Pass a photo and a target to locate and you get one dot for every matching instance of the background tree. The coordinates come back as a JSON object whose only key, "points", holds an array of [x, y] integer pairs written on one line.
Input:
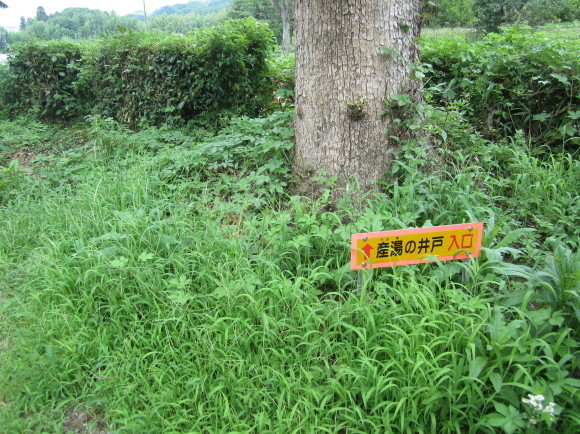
{"points": [[186, 23], [145, 16], [76, 23], [538, 12], [453, 13], [3, 40], [197, 7], [284, 9], [350, 56], [22, 23], [41, 14], [491, 14], [262, 10], [3, 5]]}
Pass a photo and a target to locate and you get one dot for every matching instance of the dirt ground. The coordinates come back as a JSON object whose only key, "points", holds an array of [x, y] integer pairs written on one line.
{"points": [[80, 421], [25, 158]]}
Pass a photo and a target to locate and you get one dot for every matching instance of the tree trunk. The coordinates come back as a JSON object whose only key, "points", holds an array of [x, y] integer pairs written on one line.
{"points": [[351, 55], [286, 15], [284, 9]]}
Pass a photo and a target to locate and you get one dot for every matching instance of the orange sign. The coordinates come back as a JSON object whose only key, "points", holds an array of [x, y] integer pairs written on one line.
{"points": [[413, 246]]}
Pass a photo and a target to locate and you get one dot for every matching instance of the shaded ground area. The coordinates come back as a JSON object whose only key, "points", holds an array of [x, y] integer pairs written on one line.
{"points": [[25, 158], [82, 421]]}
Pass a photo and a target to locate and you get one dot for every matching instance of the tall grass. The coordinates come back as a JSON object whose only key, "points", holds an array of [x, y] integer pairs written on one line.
{"points": [[162, 283]]}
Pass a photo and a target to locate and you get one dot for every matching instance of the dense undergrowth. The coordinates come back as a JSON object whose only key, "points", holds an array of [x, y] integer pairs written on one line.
{"points": [[167, 280], [164, 281]]}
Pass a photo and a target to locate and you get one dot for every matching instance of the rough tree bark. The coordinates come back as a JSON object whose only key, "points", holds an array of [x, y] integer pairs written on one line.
{"points": [[284, 9], [350, 56]]}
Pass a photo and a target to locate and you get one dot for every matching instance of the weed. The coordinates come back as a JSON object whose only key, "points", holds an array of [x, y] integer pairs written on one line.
{"points": [[166, 280]]}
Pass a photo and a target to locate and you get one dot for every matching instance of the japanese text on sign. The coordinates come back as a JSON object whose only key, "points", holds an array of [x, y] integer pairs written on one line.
{"points": [[412, 246]]}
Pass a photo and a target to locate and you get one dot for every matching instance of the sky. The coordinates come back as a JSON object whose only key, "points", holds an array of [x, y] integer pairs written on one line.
{"points": [[10, 18]]}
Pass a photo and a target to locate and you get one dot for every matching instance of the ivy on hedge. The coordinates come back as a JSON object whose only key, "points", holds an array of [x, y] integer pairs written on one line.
{"points": [[147, 78]]}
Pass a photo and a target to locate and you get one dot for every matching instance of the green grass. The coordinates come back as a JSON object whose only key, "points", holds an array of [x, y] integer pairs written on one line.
{"points": [[462, 33], [567, 30], [165, 281]]}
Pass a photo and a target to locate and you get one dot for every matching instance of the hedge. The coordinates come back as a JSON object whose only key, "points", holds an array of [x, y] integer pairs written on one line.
{"points": [[146, 78], [519, 80], [41, 77]]}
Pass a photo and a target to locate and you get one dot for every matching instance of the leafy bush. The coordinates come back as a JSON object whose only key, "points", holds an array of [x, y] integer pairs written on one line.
{"points": [[146, 78], [491, 14], [515, 81], [544, 11], [251, 156], [453, 13], [4, 77], [154, 78], [282, 76], [42, 78]]}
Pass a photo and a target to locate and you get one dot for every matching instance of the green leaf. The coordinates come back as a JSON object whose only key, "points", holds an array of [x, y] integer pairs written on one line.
{"points": [[391, 53], [507, 417], [513, 236], [495, 419], [146, 256], [542, 117], [179, 297], [476, 366], [497, 381], [120, 262], [561, 78], [574, 114]]}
